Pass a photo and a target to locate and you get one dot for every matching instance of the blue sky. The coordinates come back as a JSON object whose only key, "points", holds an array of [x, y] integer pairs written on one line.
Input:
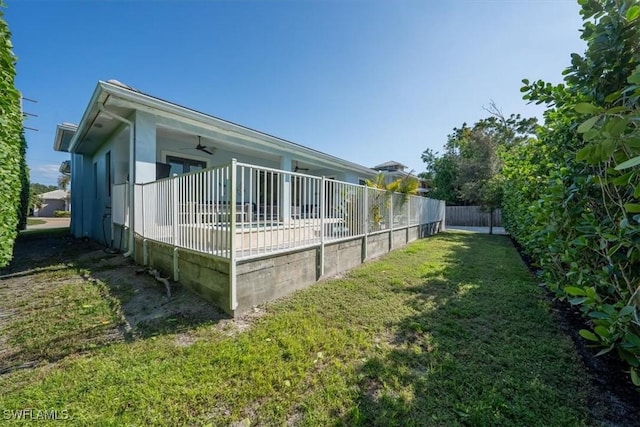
{"points": [[368, 81]]}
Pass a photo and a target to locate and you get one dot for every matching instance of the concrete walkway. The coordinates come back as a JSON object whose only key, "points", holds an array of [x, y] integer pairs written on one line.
{"points": [[50, 223], [484, 230]]}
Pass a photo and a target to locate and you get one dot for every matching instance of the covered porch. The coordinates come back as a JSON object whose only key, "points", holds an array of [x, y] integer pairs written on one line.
{"points": [[239, 230]]}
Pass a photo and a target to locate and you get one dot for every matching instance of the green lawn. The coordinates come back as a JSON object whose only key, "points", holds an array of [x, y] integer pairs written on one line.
{"points": [[35, 221], [451, 330]]}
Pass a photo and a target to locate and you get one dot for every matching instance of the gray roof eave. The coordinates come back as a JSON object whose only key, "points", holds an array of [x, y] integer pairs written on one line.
{"points": [[181, 111]]}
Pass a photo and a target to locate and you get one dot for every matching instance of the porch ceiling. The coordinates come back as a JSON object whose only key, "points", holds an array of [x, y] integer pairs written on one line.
{"points": [[189, 139], [95, 127]]}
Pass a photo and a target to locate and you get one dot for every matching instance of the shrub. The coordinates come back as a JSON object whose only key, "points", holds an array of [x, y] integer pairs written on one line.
{"points": [[11, 147], [61, 214], [571, 197]]}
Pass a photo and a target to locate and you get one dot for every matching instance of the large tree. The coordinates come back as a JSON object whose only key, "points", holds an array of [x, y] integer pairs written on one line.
{"points": [[11, 147], [64, 181], [469, 170]]}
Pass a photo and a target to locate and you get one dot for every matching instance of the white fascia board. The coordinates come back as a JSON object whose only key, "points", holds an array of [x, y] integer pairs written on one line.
{"points": [[84, 124], [177, 111], [60, 130]]}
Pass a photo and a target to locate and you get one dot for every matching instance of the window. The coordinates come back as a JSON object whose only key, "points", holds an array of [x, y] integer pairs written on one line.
{"points": [[107, 169], [95, 180], [178, 165]]}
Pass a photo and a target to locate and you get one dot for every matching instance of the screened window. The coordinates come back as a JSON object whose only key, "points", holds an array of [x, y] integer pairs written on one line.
{"points": [[107, 161], [180, 165]]}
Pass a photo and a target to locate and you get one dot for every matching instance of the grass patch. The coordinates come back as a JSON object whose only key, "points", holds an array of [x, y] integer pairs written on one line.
{"points": [[62, 313], [451, 330], [41, 233], [35, 221]]}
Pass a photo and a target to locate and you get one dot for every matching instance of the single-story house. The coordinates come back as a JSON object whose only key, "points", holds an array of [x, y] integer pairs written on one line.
{"points": [[237, 215], [56, 200], [395, 170]]}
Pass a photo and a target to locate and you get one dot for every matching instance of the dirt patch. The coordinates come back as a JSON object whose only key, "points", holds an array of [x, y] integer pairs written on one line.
{"points": [[613, 400], [233, 327], [58, 282]]}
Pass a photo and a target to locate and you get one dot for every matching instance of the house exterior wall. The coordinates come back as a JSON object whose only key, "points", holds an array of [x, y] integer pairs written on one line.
{"points": [[120, 155], [100, 194], [145, 142], [91, 194], [49, 206], [76, 195], [90, 191]]}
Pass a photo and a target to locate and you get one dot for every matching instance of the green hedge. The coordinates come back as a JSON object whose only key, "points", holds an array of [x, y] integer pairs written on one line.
{"points": [[23, 206], [62, 214], [11, 146], [572, 197]]}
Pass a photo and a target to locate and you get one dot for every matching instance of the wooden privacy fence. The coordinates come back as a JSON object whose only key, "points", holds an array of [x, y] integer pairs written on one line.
{"points": [[471, 216]]}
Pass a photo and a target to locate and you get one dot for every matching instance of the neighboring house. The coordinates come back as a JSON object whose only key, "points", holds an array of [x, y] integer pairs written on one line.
{"points": [[394, 170], [237, 215], [56, 200]]}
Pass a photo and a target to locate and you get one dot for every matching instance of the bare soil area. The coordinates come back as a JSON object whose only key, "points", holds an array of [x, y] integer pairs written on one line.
{"points": [[54, 278]]}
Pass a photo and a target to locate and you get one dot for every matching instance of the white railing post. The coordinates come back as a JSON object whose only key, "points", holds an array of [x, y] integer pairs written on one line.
{"points": [[365, 243], [126, 216], [391, 221], [176, 209], [144, 222], [232, 235], [323, 209], [408, 216]]}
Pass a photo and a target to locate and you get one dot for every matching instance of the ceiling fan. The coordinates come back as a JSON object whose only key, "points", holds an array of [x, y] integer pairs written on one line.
{"points": [[203, 148], [298, 168]]}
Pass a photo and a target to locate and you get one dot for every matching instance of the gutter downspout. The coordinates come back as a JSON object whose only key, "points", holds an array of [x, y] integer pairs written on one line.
{"points": [[132, 170]]}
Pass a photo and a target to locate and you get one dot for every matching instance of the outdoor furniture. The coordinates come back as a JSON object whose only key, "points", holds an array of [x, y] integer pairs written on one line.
{"points": [[267, 212], [206, 213], [309, 211]]}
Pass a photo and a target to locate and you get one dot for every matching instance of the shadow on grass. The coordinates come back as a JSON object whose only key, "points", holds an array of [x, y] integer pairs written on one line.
{"points": [[62, 295], [480, 349]]}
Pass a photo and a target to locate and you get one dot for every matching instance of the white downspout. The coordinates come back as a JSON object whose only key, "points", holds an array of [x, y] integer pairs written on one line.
{"points": [[132, 170]]}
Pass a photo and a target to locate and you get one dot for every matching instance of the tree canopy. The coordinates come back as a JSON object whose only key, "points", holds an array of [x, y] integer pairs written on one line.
{"points": [[469, 170]]}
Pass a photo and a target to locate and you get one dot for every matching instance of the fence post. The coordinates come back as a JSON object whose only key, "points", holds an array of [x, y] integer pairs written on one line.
{"points": [[144, 222], [322, 224], [127, 214], [408, 217], [176, 209], [232, 235], [365, 239], [145, 253], [391, 221]]}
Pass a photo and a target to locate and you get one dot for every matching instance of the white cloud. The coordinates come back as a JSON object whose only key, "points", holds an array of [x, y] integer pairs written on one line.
{"points": [[44, 174]]}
